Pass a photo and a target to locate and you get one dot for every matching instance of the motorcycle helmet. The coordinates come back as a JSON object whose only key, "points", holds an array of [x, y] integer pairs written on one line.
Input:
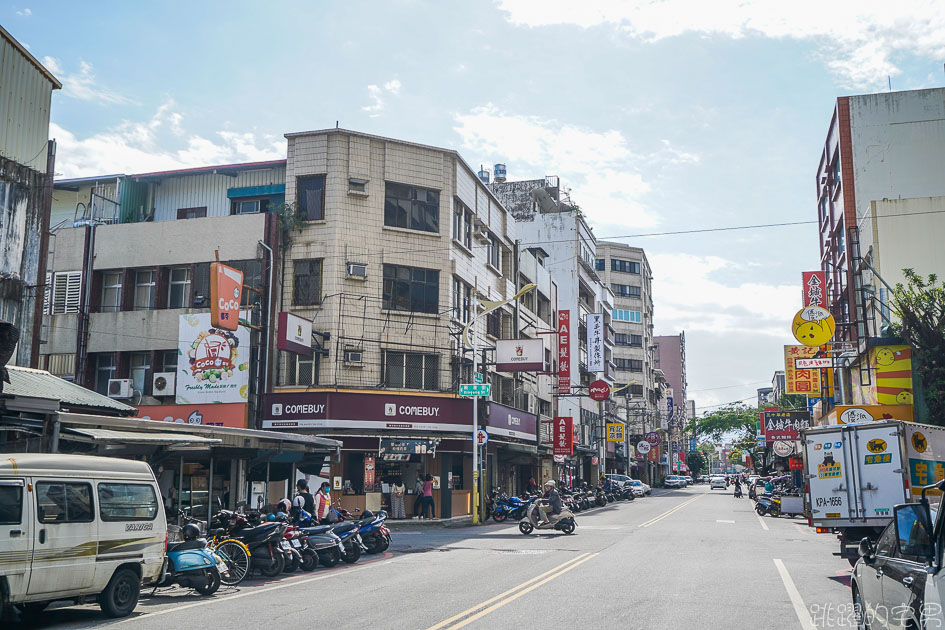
{"points": [[549, 484], [270, 517], [285, 505], [190, 532], [366, 514]]}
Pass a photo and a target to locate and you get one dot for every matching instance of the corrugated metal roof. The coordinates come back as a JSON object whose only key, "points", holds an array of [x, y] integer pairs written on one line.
{"points": [[139, 437], [49, 75], [211, 169], [42, 384]]}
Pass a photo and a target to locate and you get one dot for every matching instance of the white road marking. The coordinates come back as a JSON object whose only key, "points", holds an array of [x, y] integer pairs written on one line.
{"points": [[671, 510], [721, 521], [763, 524], [796, 600]]}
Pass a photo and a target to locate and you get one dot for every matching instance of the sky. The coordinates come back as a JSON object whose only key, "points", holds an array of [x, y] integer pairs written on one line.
{"points": [[660, 116]]}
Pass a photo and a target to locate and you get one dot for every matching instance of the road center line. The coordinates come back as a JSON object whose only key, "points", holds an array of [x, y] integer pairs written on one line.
{"points": [[671, 510], [446, 622], [763, 524], [796, 600], [512, 598]]}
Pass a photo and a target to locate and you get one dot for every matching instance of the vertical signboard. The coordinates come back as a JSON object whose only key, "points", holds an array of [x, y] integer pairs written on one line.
{"points": [[226, 284], [564, 434], [801, 380], [815, 283], [595, 342], [564, 352]]}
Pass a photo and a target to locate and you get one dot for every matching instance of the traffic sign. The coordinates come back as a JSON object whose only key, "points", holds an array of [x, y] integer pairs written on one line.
{"points": [[599, 391], [477, 377], [475, 389], [481, 437]]}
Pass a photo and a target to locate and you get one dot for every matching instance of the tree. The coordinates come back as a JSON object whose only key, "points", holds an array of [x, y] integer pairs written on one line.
{"points": [[696, 463], [920, 307], [739, 420]]}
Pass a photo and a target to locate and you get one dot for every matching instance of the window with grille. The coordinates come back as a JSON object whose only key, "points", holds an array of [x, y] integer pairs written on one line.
{"points": [[307, 282], [300, 370], [67, 291], [310, 193], [412, 207], [411, 370], [179, 288], [411, 289], [636, 390], [144, 289]]}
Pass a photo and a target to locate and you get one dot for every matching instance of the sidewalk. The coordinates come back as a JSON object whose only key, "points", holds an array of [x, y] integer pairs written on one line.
{"points": [[413, 523]]}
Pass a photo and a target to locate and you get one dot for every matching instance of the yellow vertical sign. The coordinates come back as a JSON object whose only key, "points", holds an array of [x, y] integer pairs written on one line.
{"points": [[615, 432], [800, 380]]}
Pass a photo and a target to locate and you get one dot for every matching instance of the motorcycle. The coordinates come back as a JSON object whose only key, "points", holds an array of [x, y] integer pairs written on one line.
{"points": [[738, 492], [192, 564], [561, 522], [374, 534], [266, 541], [510, 507], [768, 505]]}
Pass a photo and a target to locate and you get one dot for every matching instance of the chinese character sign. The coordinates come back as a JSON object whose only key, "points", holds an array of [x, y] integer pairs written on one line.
{"points": [[564, 352], [563, 435], [595, 342], [785, 425], [815, 285], [800, 381]]}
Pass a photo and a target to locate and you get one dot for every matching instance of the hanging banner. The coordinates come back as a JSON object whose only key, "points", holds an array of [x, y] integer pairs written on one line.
{"points": [[564, 435], [815, 284], [213, 363], [564, 352], [800, 380], [595, 342]]}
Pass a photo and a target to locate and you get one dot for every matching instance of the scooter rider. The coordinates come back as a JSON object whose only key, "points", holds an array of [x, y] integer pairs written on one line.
{"points": [[551, 502]]}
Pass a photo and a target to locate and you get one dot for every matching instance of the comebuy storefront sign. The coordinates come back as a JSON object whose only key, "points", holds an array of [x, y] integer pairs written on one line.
{"points": [[511, 422], [338, 410]]}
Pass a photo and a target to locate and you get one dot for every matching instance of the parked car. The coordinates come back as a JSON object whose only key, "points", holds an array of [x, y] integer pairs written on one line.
{"points": [[674, 481], [622, 480], [717, 482], [76, 526], [689, 480], [639, 488]]}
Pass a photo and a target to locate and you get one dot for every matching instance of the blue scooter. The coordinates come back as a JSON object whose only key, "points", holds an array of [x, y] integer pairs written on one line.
{"points": [[190, 563]]}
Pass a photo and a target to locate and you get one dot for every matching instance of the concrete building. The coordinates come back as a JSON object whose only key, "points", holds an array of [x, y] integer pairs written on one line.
{"points": [[765, 397], [778, 386], [669, 357], [545, 217], [27, 163], [394, 246]]}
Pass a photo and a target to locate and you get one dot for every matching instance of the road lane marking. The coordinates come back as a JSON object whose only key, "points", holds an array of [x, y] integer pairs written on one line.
{"points": [[796, 600], [671, 510], [762, 521], [257, 591], [508, 592], [512, 598], [721, 521]]}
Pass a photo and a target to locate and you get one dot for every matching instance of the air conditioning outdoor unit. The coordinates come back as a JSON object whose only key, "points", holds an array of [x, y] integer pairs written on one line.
{"points": [[482, 235], [354, 356], [119, 388], [164, 384], [357, 270]]}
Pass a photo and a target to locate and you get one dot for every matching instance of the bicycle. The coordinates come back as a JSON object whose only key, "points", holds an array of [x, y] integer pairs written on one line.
{"points": [[235, 555]]}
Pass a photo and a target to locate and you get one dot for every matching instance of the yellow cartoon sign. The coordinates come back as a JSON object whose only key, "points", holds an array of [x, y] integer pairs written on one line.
{"points": [[813, 326], [892, 371]]}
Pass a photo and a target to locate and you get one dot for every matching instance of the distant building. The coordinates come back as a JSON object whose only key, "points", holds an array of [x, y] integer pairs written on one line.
{"points": [[765, 396], [778, 386]]}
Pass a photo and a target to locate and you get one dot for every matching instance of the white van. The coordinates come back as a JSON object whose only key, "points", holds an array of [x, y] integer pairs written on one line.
{"points": [[73, 526]]}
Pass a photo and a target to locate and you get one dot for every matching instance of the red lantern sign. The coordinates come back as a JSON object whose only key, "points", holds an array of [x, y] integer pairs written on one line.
{"points": [[599, 391], [563, 435]]}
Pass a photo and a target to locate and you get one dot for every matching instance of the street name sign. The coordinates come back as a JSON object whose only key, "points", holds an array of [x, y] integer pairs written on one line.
{"points": [[475, 389]]}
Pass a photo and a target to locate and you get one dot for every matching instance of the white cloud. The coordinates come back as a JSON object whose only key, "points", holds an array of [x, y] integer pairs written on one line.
{"points": [[857, 39], [82, 84], [25, 13], [378, 95], [160, 143]]}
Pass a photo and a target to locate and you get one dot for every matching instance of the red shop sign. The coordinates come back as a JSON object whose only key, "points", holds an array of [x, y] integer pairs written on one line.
{"points": [[563, 435], [599, 391], [564, 352]]}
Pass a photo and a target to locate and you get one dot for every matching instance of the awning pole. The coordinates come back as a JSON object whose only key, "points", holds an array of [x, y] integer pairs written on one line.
{"points": [[210, 495], [267, 483], [180, 490]]}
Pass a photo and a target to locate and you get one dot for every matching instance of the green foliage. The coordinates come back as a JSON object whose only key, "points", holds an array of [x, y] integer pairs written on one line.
{"points": [[733, 421], [920, 307], [696, 463], [289, 222]]}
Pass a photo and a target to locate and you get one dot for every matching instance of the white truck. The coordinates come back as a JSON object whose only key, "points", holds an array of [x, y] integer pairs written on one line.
{"points": [[857, 473]]}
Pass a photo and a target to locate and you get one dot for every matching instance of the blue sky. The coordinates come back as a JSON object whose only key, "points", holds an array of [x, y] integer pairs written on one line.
{"points": [[660, 116]]}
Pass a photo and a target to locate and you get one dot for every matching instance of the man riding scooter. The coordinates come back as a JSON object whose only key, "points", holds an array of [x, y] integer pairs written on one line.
{"points": [[550, 502]]}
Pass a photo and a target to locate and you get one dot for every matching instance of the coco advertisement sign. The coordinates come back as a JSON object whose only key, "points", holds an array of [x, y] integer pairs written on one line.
{"points": [[520, 355], [295, 334], [226, 285], [224, 415], [214, 362], [511, 422]]}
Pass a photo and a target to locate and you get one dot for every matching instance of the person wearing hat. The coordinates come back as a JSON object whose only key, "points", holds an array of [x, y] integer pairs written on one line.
{"points": [[550, 502]]}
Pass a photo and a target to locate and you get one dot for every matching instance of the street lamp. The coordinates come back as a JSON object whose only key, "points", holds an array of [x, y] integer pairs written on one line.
{"points": [[489, 307]]}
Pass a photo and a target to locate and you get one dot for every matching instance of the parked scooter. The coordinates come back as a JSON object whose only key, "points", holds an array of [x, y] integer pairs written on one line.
{"points": [[265, 541], [192, 564], [562, 522], [769, 505]]}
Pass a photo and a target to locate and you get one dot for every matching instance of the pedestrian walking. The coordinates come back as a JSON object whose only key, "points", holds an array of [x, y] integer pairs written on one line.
{"points": [[428, 497], [397, 499], [418, 500]]}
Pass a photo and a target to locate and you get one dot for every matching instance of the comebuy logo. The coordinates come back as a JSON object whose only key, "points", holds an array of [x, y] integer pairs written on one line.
{"points": [[393, 409]]}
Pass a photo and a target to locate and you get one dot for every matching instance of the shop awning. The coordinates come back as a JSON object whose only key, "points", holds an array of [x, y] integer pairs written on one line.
{"points": [[110, 436]]}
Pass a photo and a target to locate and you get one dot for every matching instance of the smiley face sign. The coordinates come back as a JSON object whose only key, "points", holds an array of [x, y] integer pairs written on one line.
{"points": [[813, 326]]}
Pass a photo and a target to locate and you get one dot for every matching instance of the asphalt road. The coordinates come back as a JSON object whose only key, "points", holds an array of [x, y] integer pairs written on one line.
{"points": [[690, 558]]}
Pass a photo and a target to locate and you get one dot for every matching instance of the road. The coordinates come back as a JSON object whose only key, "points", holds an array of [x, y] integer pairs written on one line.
{"points": [[690, 558]]}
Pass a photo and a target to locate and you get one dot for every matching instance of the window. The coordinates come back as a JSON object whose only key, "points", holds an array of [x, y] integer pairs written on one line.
{"points": [[249, 206], [599, 265], [126, 502], [300, 370], [411, 370], [140, 371], [495, 252], [636, 390], [467, 229], [64, 502], [636, 341], [11, 503], [625, 266], [104, 370], [252, 277], [307, 282], [192, 213], [625, 290], [67, 289], [201, 285], [169, 361], [631, 365], [494, 324], [462, 300], [624, 315], [144, 290], [357, 186], [462, 225], [111, 291], [411, 289], [412, 207], [179, 289], [310, 193]]}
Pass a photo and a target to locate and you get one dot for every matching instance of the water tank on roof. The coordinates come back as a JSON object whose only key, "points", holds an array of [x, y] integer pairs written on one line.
{"points": [[499, 172], [484, 175]]}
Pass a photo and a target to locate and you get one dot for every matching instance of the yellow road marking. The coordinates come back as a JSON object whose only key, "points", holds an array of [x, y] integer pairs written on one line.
{"points": [[671, 510], [511, 594]]}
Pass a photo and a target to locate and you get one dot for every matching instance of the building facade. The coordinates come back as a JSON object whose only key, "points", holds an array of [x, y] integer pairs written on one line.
{"points": [[669, 357]]}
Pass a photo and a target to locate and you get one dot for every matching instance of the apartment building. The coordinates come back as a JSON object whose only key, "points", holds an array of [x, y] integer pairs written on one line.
{"points": [[27, 163], [669, 357], [395, 248]]}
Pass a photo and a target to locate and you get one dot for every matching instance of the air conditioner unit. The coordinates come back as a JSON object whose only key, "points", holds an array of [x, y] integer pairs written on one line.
{"points": [[357, 270], [482, 235], [163, 384], [354, 356], [119, 388]]}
